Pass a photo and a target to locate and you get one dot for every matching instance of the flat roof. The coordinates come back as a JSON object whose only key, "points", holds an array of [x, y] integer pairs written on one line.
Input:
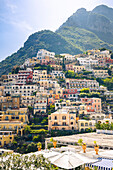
{"points": [[102, 140]]}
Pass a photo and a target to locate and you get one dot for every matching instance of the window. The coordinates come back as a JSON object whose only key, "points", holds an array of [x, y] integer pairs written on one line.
{"points": [[82, 124], [71, 123], [55, 117], [90, 124], [86, 124], [63, 117], [64, 124]]}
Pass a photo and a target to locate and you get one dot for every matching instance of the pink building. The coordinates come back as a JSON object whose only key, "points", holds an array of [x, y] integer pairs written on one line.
{"points": [[70, 93], [92, 104], [24, 76]]}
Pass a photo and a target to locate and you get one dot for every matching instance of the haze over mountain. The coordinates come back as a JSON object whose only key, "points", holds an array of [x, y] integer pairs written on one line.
{"points": [[82, 31]]}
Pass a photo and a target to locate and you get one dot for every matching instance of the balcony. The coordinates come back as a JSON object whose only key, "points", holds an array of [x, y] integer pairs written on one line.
{"points": [[60, 125]]}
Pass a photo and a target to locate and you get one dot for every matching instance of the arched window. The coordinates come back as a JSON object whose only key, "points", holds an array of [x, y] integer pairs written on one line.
{"points": [[82, 124], [63, 117], [86, 124], [55, 117]]}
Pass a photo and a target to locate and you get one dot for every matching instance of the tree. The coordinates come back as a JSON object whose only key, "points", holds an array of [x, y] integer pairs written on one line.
{"points": [[84, 90], [111, 55], [70, 74], [36, 138], [102, 49], [80, 142], [18, 161], [31, 147], [27, 129], [63, 65]]}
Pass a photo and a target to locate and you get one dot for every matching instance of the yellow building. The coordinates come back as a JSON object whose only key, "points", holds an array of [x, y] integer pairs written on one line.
{"points": [[34, 61], [1, 90], [78, 69], [86, 124], [14, 115], [28, 100], [63, 119], [56, 67], [6, 137], [12, 122], [12, 102], [82, 109]]}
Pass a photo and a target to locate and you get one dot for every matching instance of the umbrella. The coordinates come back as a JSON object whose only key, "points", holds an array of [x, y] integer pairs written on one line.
{"points": [[69, 160]]}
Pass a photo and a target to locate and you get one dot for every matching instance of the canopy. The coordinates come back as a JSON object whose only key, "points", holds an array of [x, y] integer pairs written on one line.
{"points": [[106, 163], [69, 160]]}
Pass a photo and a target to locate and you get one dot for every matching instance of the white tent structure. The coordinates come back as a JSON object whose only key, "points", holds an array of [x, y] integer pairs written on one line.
{"points": [[70, 160]]}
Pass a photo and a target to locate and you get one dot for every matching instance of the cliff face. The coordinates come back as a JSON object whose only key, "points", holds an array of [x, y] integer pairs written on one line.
{"points": [[92, 20]]}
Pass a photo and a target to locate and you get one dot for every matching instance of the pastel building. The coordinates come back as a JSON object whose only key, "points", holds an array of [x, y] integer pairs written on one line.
{"points": [[84, 125], [25, 76], [82, 83], [56, 67], [92, 104], [63, 119], [40, 105], [42, 53], [24, 90], [75, 68], [12, 122], [58, 74], [100, 73], [27, 100], [70, 93], [6, 137], [11, 102]]}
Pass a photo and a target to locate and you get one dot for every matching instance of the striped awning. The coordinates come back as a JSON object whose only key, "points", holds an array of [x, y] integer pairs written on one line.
{"points": [[103, 163]]}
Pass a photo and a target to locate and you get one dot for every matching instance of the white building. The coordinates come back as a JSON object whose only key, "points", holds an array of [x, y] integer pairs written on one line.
{"points": [[58, 74], [68, 57], [42, 53], [24, 90]]}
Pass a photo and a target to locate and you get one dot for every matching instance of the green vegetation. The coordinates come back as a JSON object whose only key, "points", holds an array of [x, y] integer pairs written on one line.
{"points": [[85, 90], [43, 67], [89, 95], [40, 40], [82, 38], [51, 109], [104, 126], [17, 161]]}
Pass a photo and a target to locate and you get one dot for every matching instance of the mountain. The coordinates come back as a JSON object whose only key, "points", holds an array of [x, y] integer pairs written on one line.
{"points": [[82, 31], [98, 21], [40, 40]]}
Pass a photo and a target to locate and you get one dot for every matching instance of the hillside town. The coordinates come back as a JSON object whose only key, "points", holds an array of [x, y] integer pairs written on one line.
{"points": [[50, 96]]}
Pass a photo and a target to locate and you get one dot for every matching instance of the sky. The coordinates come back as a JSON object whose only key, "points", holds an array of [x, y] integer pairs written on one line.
{"points": [[21, 18]]}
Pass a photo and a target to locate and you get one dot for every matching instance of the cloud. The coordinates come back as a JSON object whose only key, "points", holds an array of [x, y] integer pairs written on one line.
{"points": [[23, 25], [11, 6], [20, 25]]}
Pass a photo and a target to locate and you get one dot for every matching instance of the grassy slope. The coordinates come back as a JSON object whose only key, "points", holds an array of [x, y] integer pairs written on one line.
{"points": [[43, 39], [82, 39]]}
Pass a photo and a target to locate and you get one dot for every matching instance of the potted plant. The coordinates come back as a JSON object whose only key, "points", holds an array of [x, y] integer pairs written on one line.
{"points": [[54, 142], [39, 145], [80, 142], [96, 147]]}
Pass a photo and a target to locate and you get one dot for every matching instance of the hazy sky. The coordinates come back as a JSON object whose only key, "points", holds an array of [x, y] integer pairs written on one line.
{"points": [[20, 18]]}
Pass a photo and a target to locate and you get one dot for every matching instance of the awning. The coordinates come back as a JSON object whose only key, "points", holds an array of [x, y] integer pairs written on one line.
{"points": [[103, 163]]}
